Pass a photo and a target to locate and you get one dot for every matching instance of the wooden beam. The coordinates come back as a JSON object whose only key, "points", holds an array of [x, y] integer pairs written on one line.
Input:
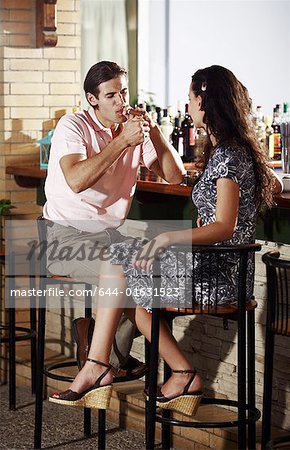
{"points": [[46, 35]]}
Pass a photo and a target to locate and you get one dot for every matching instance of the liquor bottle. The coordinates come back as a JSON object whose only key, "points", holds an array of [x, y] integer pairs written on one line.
{"points": [[177, 137], [159, 114], [187, 128], [166, 126], [260, 126], [269, 144], [200, 141], [170, 114], [286, 113], [276, 133]]}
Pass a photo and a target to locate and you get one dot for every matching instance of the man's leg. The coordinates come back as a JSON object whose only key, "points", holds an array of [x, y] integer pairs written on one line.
{"points": [[88, 270], [123, 342]]}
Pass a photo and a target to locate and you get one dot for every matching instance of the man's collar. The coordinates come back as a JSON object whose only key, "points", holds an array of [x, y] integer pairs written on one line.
{"points": [[99, 125]]}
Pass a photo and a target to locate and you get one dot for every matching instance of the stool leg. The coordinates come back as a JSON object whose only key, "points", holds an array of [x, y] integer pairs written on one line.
{"points": [[166, 428], [251, 378], [151, 409], [12, 359], [268, 385], [33, 348], [32, 322], [40, 377], [11, 334], [101, 429], [242, 428], [88, 411]]}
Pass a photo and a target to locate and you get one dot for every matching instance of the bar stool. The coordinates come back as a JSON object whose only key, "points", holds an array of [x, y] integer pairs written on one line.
{"points": [[17, 333], [243, 313], [44, 281], [277, 323], [48, 371]]}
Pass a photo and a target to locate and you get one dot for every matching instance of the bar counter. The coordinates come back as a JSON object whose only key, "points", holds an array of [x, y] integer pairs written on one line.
{"points": [[160, 200], [30, 176]]}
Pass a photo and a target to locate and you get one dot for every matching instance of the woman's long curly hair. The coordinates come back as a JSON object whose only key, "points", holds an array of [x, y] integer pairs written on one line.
{"points": [[228, 117]]}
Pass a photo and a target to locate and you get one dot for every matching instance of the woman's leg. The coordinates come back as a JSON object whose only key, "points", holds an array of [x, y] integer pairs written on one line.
{"points": [[108, 314], [170, 352]]}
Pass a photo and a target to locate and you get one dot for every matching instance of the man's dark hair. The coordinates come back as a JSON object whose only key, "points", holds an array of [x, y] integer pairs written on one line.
{"points": [[99, 73]]}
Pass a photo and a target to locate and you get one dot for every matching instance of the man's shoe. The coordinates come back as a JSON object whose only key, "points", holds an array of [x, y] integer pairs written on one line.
{"points": [[83, 329], [133, 369]]}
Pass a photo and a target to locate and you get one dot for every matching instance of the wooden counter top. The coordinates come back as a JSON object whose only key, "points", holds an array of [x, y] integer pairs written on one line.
{"points": [[30, 176]]}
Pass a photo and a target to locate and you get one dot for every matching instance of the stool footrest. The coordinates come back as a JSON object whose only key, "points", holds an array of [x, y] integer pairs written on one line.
{"points": [[253, 416], [28, 333], [48, 371]]}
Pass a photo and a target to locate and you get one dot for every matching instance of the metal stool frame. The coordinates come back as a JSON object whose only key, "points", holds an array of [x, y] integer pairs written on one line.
{"points": [[248, 414], [277, 323], [44, 281], [16, 333], [48, 371]]}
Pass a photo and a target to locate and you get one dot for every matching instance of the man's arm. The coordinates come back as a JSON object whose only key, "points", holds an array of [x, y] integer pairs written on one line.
{"points": [[81, 173], [169, 165]]}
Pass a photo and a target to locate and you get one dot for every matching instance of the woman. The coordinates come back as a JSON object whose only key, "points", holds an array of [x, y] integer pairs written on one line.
{"points": [[235, 183]]}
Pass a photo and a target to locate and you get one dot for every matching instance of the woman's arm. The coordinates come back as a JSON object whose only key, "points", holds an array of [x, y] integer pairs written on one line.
{"points": [[227, 207], [278, 184]]}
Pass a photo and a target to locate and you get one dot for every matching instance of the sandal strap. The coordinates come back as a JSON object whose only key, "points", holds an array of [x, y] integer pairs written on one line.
{"points": [[99, 362], [193, 372], [98, 381], [185, 371]]}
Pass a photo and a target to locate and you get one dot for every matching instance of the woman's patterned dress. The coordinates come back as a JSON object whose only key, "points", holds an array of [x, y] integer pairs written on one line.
{"points": [[178, 287]]}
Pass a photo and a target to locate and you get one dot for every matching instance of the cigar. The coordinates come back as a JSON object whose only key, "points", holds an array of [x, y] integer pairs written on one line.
{"points": [[133, 112]]}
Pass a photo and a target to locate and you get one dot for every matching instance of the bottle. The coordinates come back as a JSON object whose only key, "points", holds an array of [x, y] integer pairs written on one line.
{"points": [[200, 141], [159, 114], [276, 133], [177, 137], [269, 143], [260, 126], [166, 126], [170, 113], [187, 128], [286, 112]]}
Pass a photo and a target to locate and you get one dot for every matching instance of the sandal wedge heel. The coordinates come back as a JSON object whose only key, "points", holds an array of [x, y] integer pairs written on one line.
{"points": [[95, 397], [187, 403]]}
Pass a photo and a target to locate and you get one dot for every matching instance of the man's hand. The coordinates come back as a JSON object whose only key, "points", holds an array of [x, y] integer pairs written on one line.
{"points": [[146, 116], [135, 131]]}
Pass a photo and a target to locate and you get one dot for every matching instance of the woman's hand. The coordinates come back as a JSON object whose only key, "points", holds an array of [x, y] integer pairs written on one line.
{"points": [[153, 249], [198, 222]]}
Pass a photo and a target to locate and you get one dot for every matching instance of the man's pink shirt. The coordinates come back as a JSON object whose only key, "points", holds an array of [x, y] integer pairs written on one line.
{"points": [[105, 204]]}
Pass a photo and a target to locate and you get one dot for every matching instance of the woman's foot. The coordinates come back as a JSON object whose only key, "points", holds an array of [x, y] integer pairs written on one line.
{"points": [[182, 392], [91, 388], [88, 376], [175, 385]]}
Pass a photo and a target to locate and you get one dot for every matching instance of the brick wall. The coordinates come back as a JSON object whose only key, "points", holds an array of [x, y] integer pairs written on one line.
{"points": [[38, 86]]}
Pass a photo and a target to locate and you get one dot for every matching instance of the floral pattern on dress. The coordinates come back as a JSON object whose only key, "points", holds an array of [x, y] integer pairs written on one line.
{"points": [[196, 282]]}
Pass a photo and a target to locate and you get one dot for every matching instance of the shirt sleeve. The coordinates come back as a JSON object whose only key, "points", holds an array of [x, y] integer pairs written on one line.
{"points": [[68, 137], [148, 153], [229, 162]]}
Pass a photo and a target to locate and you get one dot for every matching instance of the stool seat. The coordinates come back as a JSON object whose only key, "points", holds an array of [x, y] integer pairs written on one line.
{"points": [[64, 278], [220, 310]]}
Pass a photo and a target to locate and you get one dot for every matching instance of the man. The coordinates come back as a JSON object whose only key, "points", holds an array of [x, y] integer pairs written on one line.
{"points": [[92, 171]]}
